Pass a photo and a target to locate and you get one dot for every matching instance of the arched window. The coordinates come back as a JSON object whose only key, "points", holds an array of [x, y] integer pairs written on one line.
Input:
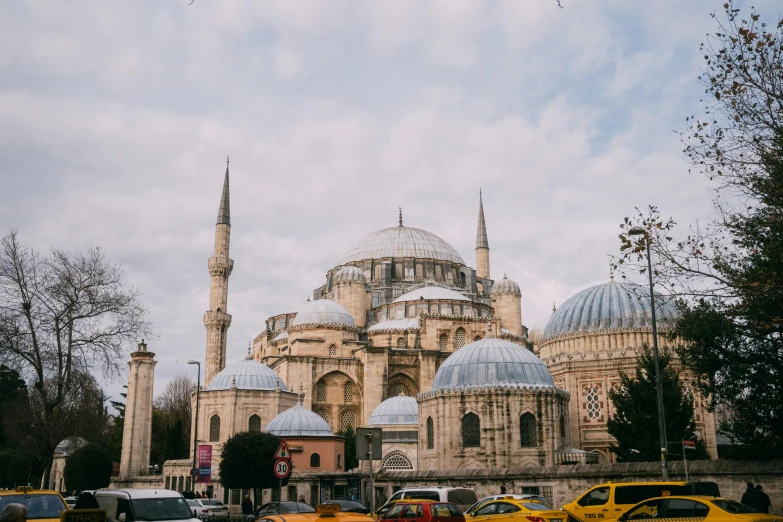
{"points": [[396, 460], [401, 343], [377, 272], [459, 338], [527, 431], [477, 338], [315, 460], [562, 428], [399, 388], [339, 461], [443, 342], [471, 431], [254, 424], [324, 414], [332, 350], [348, 392], [320, 391], [214, 429], [347, 418], [592, 403], [430, 433]]}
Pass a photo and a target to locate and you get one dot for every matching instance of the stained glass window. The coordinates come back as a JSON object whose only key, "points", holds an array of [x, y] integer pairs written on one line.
{"points": [[471, 431], [527, 431]]}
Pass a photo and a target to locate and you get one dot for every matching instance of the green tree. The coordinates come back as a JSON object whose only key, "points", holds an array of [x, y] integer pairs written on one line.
{"points": [[635, 421], [247, 461], [350, 448], [727, 272], [12, 391], [88, 467]]}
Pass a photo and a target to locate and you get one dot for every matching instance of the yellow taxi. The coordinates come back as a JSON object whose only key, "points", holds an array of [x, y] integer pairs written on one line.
{"points": [[323, 513], [694, 508], [510, 509], [42, 505]]}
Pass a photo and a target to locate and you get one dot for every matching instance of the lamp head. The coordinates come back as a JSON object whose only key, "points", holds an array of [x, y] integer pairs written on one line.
{"points": [[637, 231], [194, 362]]}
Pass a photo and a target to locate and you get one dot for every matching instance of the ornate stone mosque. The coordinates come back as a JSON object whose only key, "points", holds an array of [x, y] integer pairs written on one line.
{"points": [[405, 336]]}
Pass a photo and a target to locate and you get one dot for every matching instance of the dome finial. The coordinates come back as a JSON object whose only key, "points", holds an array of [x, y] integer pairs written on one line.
{"points": [[249, 351], [554, 308], [611, 271], [400, 215], [301, 395]]}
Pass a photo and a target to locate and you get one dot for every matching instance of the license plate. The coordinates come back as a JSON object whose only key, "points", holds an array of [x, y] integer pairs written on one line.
{"points": [[555, 520]]}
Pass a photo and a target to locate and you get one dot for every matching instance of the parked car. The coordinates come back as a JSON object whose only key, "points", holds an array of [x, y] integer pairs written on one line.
{"points": [[516, 510], [194, 506], [462, 497], [43, 505], [350, 506], [423, 511], [281, 508], [485, 500], [150, 505], [689, 507], [211, 506], [71, 501]]}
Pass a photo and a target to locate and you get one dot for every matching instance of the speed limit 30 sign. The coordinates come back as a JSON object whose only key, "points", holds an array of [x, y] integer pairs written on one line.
{"points": [[282, 468]]}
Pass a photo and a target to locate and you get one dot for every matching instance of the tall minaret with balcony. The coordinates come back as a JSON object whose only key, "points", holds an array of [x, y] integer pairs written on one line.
{"points": [[216, 320], [482, 244]]}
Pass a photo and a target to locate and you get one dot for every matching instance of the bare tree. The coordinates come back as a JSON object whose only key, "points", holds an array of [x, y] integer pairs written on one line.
{"points": [[63, 315], [175, 399]]}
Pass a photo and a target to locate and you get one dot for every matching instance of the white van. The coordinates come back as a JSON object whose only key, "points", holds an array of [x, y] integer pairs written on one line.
{"points": [[462, 497], [149, 505]]}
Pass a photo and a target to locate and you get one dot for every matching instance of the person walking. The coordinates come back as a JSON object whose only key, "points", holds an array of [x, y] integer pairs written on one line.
{"points": [[750, 496], [247, 506], [763, 499]]}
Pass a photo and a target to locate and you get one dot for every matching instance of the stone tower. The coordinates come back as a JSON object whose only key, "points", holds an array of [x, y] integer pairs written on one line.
{"points": [[482, 244], [507, 301], [137, 432], [216, 320], [351, 292]]}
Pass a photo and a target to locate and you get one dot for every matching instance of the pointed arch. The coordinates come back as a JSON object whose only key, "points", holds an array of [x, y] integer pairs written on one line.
{"points": [[254, 423], [527, 431], [471, 431], [214, 428]]}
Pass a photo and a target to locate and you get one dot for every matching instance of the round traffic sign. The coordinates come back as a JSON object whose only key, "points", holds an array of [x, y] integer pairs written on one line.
{"points": [[282, 468]]}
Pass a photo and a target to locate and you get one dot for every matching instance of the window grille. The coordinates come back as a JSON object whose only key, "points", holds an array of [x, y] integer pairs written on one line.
{"points": [[527, 431], [412, 311], [459, 338], [214, 429], [434, 309], [347, 419], [377, 272], [320, 391], [438, 273], [254, 424], [324, 414], [348, 392], [430, 433], [593, 403], [396, 460], [236, 496], [471, 431], [168, 483], [398, 271], [443, 341], [419, 272], [315, 460], [457, 310], [399, 389], [187, 484], [400, 343], [332, 350]]}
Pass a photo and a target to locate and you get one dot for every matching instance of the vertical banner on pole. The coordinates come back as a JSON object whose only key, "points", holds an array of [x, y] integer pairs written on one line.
{"points": [[204, 463]]}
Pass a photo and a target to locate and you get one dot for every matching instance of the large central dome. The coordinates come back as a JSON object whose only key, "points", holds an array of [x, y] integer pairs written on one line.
{"points": [[402, 242]]}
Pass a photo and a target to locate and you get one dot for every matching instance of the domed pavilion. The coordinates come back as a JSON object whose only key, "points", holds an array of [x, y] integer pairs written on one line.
{"points": [[492, 404], [398, 417], [590, 339]]}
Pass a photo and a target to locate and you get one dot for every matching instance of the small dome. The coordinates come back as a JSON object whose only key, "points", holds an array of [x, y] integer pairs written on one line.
{"points": [[537, 331], [492, 362], [396, 410], [609, 306], [431, 293], [69, 445], [506, 287], [402, 242], [350, 273], [246, 375], [323, 311], [299, 422]]}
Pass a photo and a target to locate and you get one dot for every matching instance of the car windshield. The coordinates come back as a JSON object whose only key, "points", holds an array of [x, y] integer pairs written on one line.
{"points": [[171, 508], [733, 507], [38, 506]]}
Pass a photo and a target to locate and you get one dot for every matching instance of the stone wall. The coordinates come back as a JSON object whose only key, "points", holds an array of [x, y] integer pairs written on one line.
{"points": [[566, 483]]}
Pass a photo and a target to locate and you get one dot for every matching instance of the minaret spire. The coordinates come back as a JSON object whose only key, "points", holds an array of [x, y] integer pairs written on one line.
{"points": [[217, 320], [482, 243]]}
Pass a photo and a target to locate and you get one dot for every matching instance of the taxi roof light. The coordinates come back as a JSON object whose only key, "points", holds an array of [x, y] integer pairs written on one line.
{"points": [[23, 489]]}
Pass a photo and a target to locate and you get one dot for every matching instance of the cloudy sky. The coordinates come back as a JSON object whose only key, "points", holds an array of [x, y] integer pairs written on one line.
{"points": [[116, 119]]}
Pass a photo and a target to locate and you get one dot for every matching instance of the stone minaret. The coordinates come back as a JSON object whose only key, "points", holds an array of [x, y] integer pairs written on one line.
{"points": [[137, 432], [216, 320], [482, 244], [350, 290]]}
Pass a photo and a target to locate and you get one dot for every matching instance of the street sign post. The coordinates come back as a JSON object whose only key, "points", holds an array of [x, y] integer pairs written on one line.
{"points": [[282, 468], [369, 447], [687, 445]]}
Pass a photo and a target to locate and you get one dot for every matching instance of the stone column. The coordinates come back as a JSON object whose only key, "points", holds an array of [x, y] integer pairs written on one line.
{"points": [[137, 432]]}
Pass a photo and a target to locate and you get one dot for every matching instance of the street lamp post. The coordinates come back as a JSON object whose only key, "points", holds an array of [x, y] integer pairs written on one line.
{"points": [[195, 424], [639, 231]]}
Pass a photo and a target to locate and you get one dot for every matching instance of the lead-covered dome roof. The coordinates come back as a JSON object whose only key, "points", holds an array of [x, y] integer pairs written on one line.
{"points": [[396, 410], [427, 293], [299, 422], [492, 362], [402, 242], [323, 311], [247, 375], [350, 273], [506, 287], [609, 306]]}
